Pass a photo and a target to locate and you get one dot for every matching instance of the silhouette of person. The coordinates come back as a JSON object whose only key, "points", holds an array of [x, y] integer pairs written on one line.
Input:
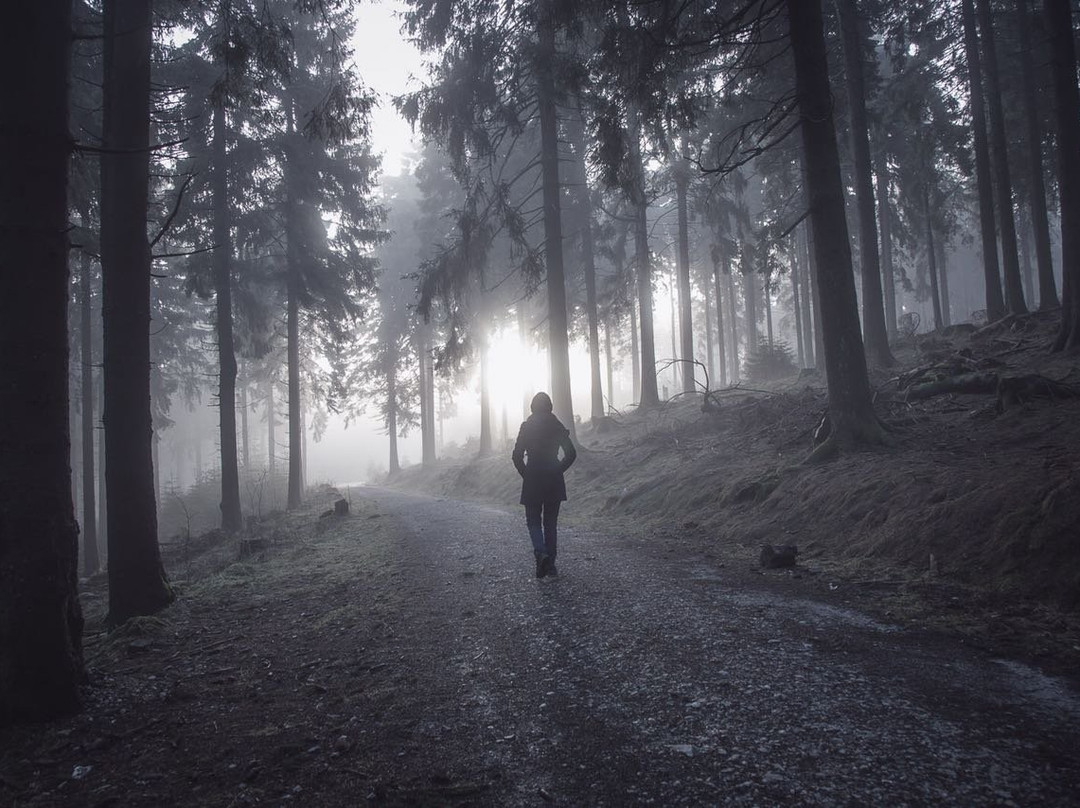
{"points": [[543, 488]]}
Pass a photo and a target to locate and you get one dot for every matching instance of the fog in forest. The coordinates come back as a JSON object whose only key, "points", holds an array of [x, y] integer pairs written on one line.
{"points": [[519, 402]]}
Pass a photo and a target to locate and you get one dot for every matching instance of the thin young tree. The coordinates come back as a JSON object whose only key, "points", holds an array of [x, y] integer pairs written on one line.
{"points": [[41, 664]]}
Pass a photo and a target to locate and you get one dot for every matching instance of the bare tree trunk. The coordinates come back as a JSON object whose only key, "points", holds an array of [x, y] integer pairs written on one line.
{"points": [[710, 358], [485, 397], [41, 663], [797, 303], [766, 289], [635, 356], [391, 415], [850, 405], [875, 336], [720, 339], [1014, 292], [558, 335], [296, 490], [1040, 224], [650, 395], [750, 299], [995, 301], [526, 392], [686, 333], [231, 517], [1059, 26], [91, 557], [1027, 269], [608, 363], [674, 367], [812, 277], [584, 204], [427, 400], [888, 274], [271, 437], [102, 500], [137, 582], [734, 326], [931, 259], [943, 281], [245, 438]]}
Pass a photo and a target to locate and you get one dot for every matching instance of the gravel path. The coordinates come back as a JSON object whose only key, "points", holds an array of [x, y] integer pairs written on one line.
{"points": [[634, 680]]}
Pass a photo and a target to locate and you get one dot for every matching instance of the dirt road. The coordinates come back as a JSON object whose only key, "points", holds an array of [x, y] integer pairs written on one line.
{"points": [[406, 655]]}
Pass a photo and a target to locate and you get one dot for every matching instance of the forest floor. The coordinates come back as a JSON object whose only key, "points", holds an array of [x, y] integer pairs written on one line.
{"points": [[404, 655]]}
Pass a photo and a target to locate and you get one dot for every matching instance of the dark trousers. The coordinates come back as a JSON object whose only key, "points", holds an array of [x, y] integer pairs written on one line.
{"points": [[542, 520]]}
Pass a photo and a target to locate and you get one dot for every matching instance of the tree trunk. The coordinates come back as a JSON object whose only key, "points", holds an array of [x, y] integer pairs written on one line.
{"points": [[734, 326], [766, 289], [271, 437], [720, 340], [1059, 25], [850, 405], [710, 356], [674, 330], [391, 415], [888, 274], [931, 259], [245, 440], [231, 518], [875, 336], [1027, 269], [686, 327], [1014, 291], [137, 582], [102, 501], [41, 662], [1048, 298], [526, 391], [943, 281], [296, 491], [750, 301], [91, 558], [427, 401], [635, 355], [608, 363], [485, 395], [796, 302], [650, 395], [995, 302], [558, 335], [812, 278], [588, 259]]}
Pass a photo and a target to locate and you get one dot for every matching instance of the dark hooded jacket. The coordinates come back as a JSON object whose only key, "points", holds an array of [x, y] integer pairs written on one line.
{"points": [[536, 457]]}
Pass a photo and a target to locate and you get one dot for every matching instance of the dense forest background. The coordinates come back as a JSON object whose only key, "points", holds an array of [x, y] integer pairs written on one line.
{"points": [[193, 217]]}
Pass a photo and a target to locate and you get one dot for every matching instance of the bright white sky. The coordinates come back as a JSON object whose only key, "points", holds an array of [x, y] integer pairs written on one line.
{"points": [[386, 61]]}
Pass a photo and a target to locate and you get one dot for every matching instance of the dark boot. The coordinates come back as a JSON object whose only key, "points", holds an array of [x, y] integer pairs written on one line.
{"points": [[542, 565], [551, 570]]}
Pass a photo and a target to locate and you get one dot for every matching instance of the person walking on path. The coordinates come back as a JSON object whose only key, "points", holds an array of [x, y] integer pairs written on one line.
{"points": [[543, 488]]}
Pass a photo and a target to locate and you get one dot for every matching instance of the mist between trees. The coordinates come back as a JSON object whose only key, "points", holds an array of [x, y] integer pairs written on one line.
{"points": [[220, 275]]}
